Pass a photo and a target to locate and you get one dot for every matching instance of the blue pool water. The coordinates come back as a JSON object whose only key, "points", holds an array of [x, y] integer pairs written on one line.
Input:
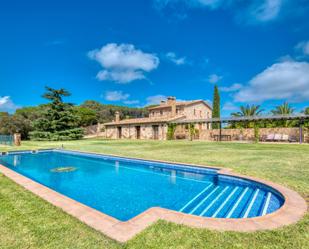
{"points": [[124, 188]]}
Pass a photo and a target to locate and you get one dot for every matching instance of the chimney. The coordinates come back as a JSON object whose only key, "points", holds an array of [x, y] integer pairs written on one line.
{"points": [[117, 116], [162, 102], [172, 101]]}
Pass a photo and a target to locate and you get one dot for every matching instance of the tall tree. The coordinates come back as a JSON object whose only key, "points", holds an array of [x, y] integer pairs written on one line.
{"points": [[58, 121], [306, 111], [247, 111], [216, 106], [85, 115]]}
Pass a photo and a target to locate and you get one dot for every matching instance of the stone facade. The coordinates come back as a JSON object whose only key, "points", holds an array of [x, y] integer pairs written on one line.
{"points": [[146, 131], [156, 125], [94, 131]]}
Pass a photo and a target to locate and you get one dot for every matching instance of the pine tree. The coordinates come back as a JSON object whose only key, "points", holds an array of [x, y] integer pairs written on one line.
{"points": [[58, 121], [216, 107]]}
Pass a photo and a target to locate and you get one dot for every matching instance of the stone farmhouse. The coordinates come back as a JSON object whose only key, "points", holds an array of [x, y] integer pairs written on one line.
{"points": [[156, 125]]}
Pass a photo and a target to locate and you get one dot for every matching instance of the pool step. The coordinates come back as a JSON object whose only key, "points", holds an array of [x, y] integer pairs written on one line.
{"points": [[199, 199], [196, 198], [230, 202], [250, 203]]}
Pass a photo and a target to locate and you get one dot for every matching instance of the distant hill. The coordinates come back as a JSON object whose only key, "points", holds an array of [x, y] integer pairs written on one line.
{"points": [[106, 113]]}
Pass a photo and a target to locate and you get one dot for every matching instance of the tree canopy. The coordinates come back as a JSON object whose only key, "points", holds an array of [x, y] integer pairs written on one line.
{"points": [[58, 116], [248, 110], [58, 120], [283, 109], [245, 111]]}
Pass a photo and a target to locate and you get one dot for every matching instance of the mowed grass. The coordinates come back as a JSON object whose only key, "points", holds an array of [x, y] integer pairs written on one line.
{"points": [[26, 221]]}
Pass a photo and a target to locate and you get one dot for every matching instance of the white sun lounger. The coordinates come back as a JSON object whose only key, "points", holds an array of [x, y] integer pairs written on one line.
{"points": [[277, 137], [285, 137], [270, 137]]}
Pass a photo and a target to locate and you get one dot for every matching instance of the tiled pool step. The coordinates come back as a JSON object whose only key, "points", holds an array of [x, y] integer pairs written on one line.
{"points": [[230, 202]]}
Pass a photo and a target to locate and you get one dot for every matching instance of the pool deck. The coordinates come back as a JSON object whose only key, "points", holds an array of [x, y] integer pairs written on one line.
{"points": [[292, 210]]}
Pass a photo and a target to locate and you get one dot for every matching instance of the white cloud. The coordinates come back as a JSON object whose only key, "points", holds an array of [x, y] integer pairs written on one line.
{"points": [[7, 105], [287, 80], [156, 99], [231, 88], [303, 47], [214, 78], [123, 63], [175, 59], [116, 96], [229, 106]]}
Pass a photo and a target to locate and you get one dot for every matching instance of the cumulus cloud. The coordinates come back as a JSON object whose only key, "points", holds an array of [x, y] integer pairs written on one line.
{"points": [[231, 88], [123, 63], [116, 95], [7, 105], [287, 80], [156, 99], [171, 56], [214, 78]]}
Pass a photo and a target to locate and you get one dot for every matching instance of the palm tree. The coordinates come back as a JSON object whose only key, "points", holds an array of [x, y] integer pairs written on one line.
{"points": [[247, 111], [283, 109]]}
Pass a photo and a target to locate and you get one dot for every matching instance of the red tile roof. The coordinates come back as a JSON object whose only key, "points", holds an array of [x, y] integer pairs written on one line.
{"points": [[181, 103], [145, 120]]}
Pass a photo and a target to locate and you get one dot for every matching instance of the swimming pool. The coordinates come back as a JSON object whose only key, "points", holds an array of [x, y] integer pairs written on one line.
{"points": [[123, 188]]}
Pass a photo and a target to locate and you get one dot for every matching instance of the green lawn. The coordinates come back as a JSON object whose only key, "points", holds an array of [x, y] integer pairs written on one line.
{"points": [[26, 221]]}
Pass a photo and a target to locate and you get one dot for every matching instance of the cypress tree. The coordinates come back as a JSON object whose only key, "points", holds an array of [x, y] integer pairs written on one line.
{"points": [[216, 107]]}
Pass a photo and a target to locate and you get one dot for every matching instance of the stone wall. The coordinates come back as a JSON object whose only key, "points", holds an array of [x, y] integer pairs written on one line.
{"points": [[248, 134], [146, 132], [129, 132], [94, 130], [197, 111]]}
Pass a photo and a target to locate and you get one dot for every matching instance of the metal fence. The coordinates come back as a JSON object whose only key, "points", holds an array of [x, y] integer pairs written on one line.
{"points": [[7, 139]]}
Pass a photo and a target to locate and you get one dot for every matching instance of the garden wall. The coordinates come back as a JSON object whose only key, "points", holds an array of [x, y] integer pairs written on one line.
{"points": [[248, 134], [93, 131]]}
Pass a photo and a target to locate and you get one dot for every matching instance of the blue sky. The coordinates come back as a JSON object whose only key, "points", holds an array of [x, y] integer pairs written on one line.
{"points": [[137, 52]]}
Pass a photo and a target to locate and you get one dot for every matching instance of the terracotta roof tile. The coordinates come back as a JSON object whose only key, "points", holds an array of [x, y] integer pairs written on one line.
{"points": [[180, 103], [145, 120]]}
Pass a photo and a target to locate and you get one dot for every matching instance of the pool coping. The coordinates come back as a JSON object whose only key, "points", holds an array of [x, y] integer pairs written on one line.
{"points": [[292, 210]]}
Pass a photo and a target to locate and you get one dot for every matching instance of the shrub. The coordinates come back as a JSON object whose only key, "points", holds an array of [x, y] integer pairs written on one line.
{"points": [[171, 131], [256, 133], [40, 135], [72, 134]]}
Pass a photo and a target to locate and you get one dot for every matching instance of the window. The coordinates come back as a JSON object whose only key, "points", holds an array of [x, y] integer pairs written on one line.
{"points": [[161, 112], [194, 112]]}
